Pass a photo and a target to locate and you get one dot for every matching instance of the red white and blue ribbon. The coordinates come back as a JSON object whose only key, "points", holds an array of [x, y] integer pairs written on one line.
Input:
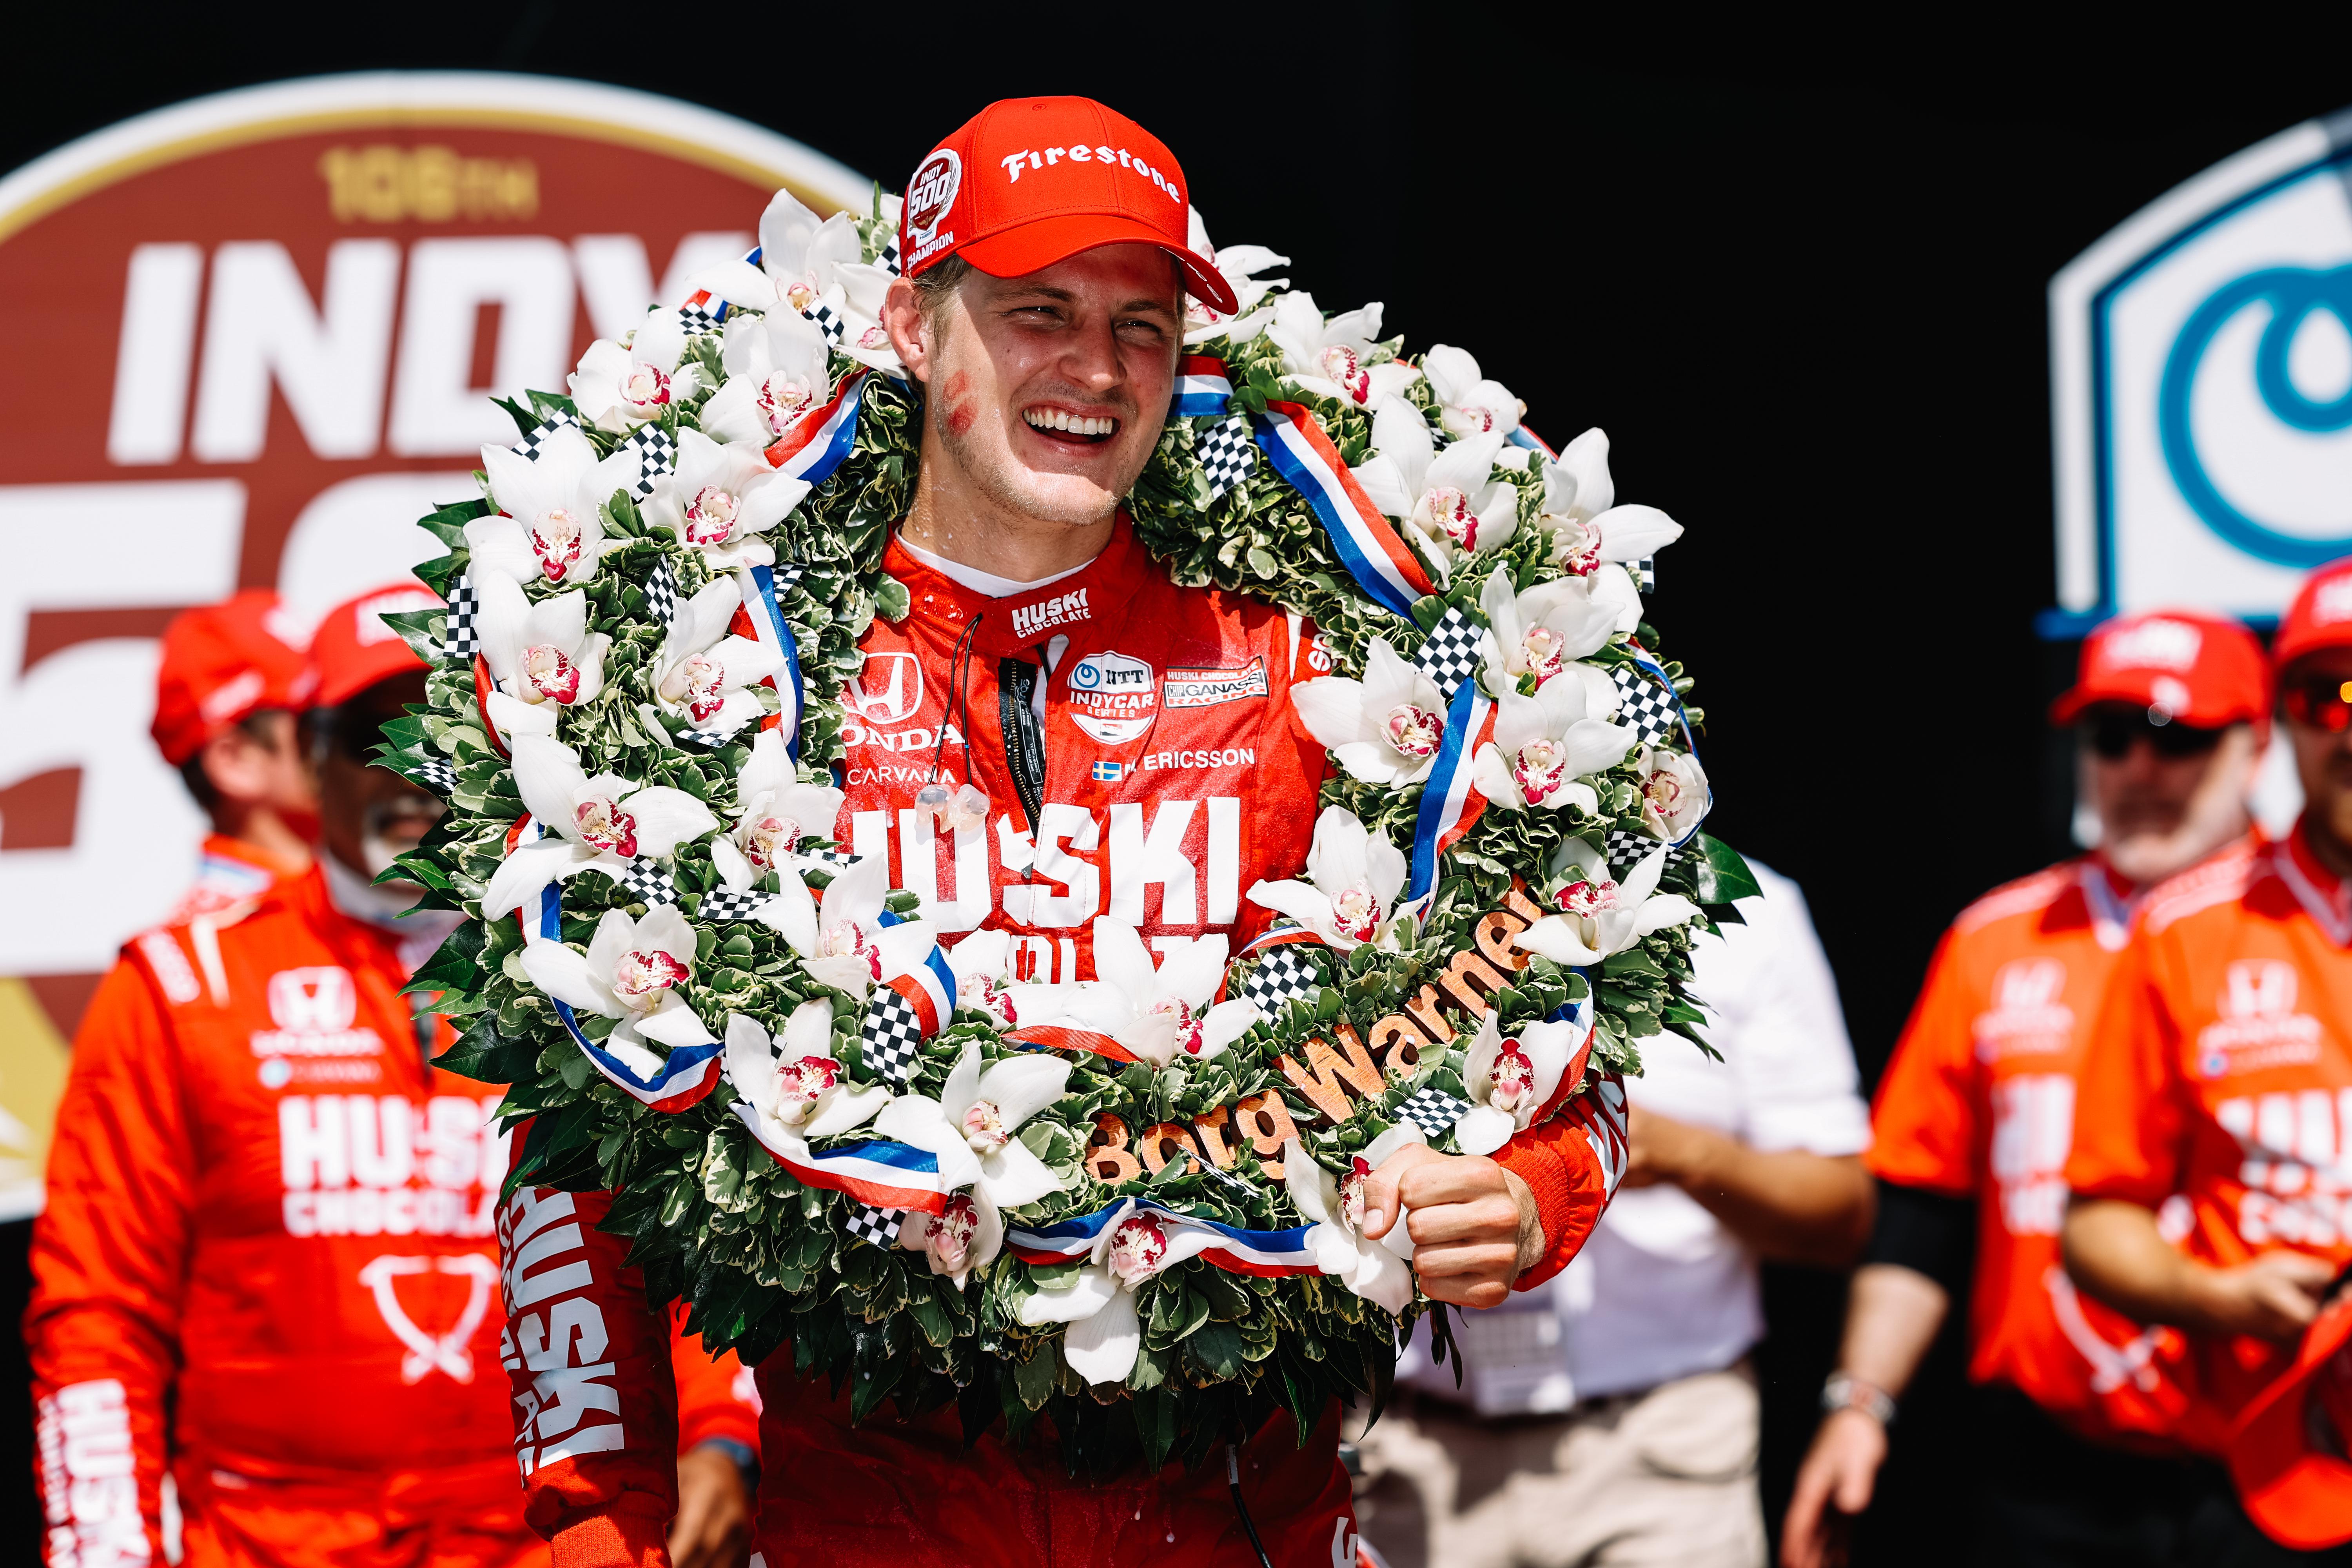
{"points": [[876, 1171], [1202, 387], [1450, 805], [685, 1075], [770, 627], [924, 979], [820, 439], [1375, 554], [1237, 1251], [1522, 437]]}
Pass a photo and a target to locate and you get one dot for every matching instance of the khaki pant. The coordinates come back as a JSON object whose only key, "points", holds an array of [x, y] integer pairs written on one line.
{"points": [[1667, 1476]]}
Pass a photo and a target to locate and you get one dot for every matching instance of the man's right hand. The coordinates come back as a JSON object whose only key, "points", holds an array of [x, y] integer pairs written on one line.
{"points": [[2273, 1297], [1835, 1484]]}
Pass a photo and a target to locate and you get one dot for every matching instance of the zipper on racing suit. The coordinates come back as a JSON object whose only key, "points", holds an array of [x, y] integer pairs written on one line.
{"points": [[1025, 741]]}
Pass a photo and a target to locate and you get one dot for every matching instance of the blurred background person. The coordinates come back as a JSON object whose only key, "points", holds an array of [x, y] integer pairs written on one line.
{"points": [[2081, 1457], [1611, 1416], [233, 678], [269, 1264], [2222, 1071]]}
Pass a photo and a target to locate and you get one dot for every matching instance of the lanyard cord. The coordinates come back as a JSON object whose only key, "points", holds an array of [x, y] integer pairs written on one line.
{"points": [[958, 689]]}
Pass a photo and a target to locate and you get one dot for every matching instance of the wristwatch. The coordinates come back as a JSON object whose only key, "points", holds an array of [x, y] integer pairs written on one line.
{"points": [[1844, 1391]]}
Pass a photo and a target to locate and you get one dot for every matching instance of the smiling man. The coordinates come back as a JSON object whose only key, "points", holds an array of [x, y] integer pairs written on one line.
{"points": [[1054, 732]]}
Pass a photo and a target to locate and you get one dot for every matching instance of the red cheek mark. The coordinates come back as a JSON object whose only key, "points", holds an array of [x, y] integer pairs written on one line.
{"points": [[958, 384], [959, 419]]}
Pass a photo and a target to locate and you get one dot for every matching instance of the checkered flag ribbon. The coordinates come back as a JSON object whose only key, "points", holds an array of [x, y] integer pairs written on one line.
{"points": [[888, 260], [1433, 1110], [439, 775], [1626, 849], [1286, 974], [459, 639], [892, 1036], [1646, 574], [647, 882], [656, 455], [699, 318], [876, 1226], [1228, 451], [1450, 657], [1644, 706], [833, 860], [533, 444], [829, 321], [730, 904], [661, 594], [706, 740]]}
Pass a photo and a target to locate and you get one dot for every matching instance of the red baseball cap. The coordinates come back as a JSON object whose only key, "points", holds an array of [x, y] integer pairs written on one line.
{"points": [[1028, 181], [353, 648], [2321, 616], [223, 663], [2200, 669], [2296, 1485]]}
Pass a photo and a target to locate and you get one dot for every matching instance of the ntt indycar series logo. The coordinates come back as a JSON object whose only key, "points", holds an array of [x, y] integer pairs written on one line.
{"points": [[1113, 696]]}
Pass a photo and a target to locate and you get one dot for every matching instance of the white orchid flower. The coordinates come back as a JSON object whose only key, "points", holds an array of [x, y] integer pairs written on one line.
{"points": [[1591, 535], [1597, 916], [965, 1237], [549, 528], [1158, 1014], [1239, 265], [630, 973], [1469, 404], [601, 824], [1675, 794], [1544, 631], [542, 656], [1334, 358], [1334, 1210], [774, 811], [1099, 1301], [809, 266], [1543, 747], [1384, 728], [972, 1126], [982, 962], [1353, 877], [854, 949], [1449, 502], [721, 499], [793, 1084], [620, 386], [776, 375], [1510, 1080], [704, 671]]}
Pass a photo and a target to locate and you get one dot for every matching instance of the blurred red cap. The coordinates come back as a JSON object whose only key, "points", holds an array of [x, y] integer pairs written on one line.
{"points": [[1028, 181], [2200, 669], [221, 663], [2299, 1489], [353, 648], [2321, 616]]}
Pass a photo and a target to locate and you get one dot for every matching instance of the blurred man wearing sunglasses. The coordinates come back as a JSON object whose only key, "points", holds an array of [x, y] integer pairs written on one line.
{"points": [[2222, 1071], [2082, 1407]]}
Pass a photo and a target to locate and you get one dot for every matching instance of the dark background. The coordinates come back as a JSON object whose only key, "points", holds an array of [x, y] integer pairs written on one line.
{"points": [[1797, 274]]}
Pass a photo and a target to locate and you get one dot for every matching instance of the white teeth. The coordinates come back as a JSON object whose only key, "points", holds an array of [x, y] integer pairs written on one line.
{"points": [[1056, 419]]}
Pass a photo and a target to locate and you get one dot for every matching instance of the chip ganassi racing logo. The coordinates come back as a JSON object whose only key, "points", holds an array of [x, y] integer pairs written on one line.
{"points": [[1113, 696]]}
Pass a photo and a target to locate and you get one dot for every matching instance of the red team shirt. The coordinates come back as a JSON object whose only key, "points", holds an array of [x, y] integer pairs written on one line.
{"points": [[2224, 1073], [1982, 1100]]}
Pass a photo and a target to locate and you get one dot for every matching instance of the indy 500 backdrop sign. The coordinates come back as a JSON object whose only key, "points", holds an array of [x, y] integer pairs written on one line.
{"points": [[2201, 358], [258, 334]]}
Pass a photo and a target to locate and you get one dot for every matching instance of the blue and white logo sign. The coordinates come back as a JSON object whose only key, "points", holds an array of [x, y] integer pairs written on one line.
{"points": [[2202, 367]]}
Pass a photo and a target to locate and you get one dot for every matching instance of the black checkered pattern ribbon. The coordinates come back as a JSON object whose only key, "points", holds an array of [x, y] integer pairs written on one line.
{"points": [[892, 1036], [1450, 657], [656, 455], [828, 321], [439, 775], [460, 641], [1627, 848], [661, 594], [1284, 975], [874, 1226], [731, 904], [1644, 706], [536, 442], [699, 318], [1433, 1110], [647, 882], [888, 259], [1646, 574], [706, 740], [831, 859], [1228, 451]]}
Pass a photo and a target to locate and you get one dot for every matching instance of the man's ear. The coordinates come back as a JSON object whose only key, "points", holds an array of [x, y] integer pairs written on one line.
{"points": [[902, 318]]}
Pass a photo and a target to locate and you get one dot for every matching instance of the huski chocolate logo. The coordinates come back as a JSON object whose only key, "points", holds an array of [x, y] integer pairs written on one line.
{"points": [[1036, 620]]}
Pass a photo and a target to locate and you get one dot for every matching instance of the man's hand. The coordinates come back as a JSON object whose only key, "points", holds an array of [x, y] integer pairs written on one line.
{"points": [[713, 1528], [2274, 1296], [1835, 1483], [1473, 1224], [1664, 1150]]}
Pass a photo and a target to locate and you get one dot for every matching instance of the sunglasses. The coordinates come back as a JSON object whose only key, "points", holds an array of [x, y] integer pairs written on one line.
{"points": [[2111, 733], [2319, 703]]}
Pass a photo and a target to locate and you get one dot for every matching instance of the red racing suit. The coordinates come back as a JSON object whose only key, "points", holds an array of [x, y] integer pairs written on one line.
{"points": [[229, 872], [267, 1263], [1141, 758]]}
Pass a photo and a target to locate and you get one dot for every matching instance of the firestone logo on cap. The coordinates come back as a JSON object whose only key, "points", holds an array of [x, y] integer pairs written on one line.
{"points": [[2154, 645], [931, 193], [2332, 602]]}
